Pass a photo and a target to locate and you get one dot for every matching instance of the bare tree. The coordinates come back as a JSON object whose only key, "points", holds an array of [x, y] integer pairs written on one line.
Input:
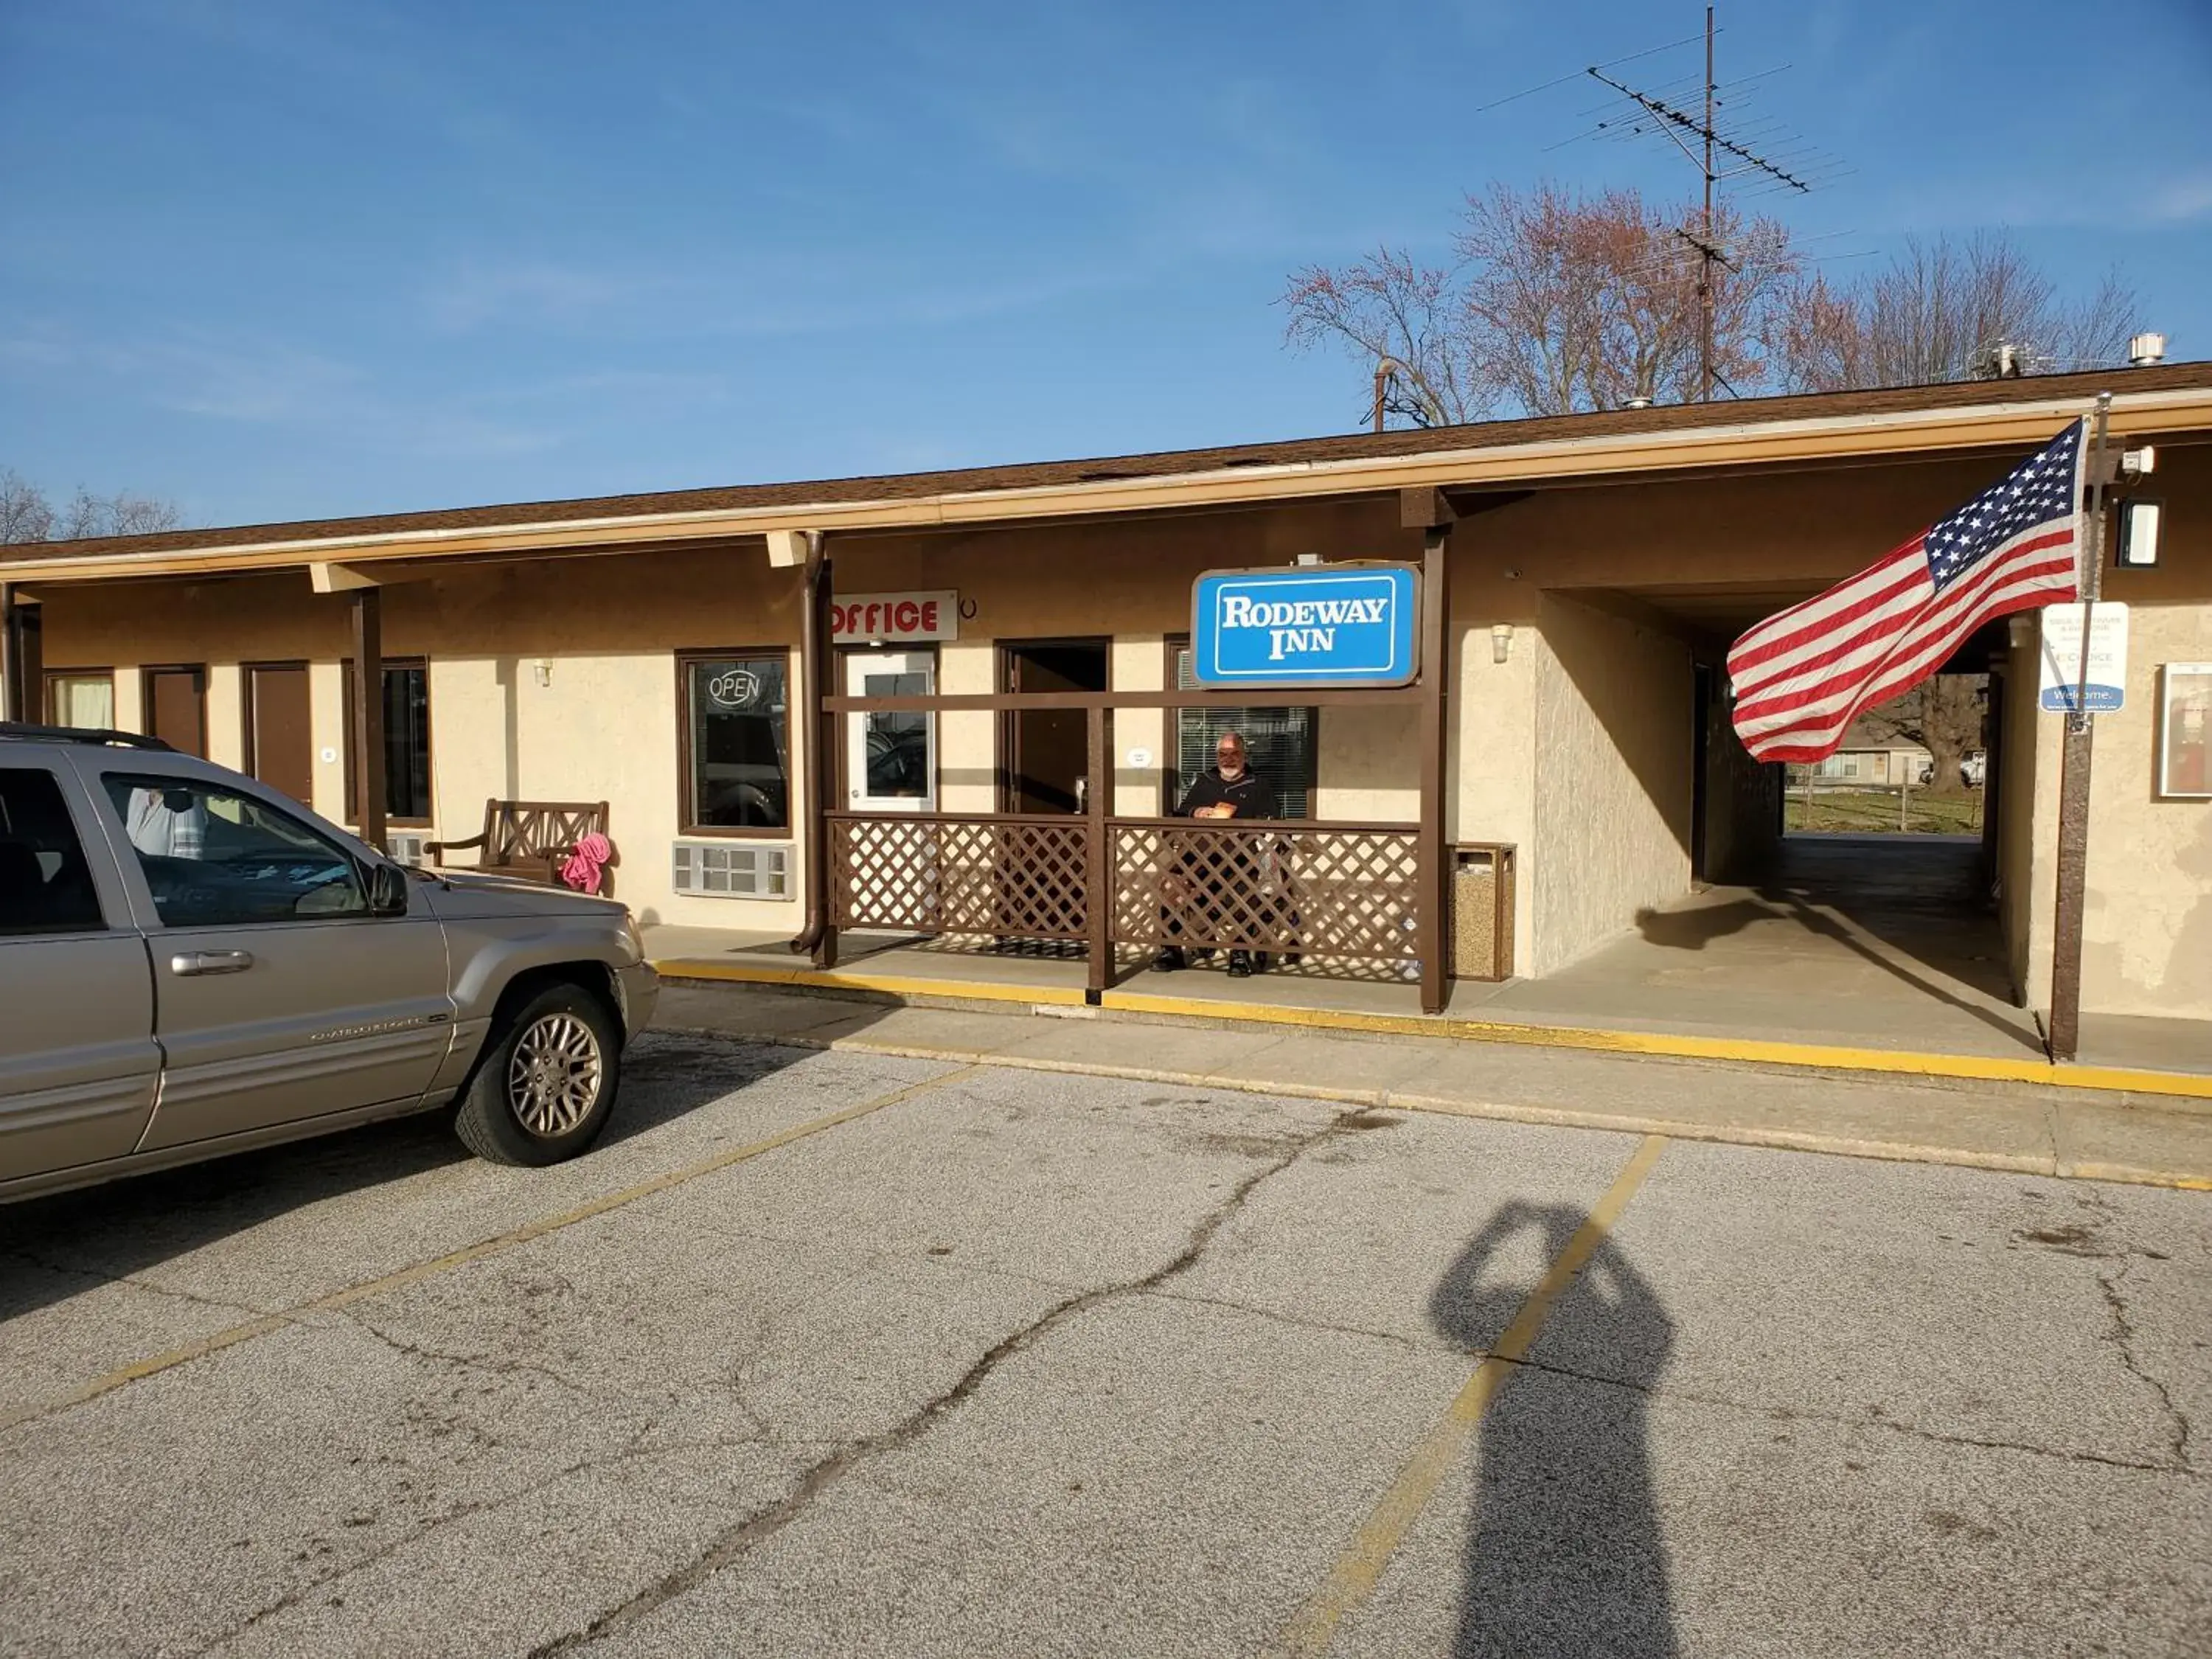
{"points": [[27, 514], [1388, 306], [1557, 303], [1946, 716], [1936, 313]]}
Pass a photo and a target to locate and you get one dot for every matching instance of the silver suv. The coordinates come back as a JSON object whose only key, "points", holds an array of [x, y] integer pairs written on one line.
{"points": [[193, 964]]}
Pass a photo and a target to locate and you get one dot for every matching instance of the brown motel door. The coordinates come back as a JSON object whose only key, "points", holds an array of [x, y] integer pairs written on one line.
{"points": [[1048, 749], [280, 746], [176, 708]]}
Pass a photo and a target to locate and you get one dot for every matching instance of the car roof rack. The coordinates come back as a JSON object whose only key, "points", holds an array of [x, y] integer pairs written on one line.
{"points": [[19, 731]]}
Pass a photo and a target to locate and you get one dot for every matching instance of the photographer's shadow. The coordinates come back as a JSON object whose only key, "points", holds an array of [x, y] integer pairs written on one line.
{"points": [[1564, 1559]]}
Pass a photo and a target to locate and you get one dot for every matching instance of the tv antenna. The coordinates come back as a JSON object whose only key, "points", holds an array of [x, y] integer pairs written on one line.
{"points": [[1721, 149]]}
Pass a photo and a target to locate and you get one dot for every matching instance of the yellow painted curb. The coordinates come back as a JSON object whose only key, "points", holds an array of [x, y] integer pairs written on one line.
{"points": [[889, 985], [1757, 1051]]}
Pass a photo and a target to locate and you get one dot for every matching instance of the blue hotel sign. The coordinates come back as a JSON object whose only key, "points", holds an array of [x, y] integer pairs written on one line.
{"points": [[1308, 625]]}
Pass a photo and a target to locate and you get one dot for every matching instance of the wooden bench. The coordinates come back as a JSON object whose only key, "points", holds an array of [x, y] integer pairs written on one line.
{"points": [[528, 839]]}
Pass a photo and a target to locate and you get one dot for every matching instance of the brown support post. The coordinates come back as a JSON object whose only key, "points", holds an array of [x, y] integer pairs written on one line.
{"points": [[1428, 510], [1099, 861], [810, 726], [369, 713], [2073, 880], [2074, 779], [824, 790]]}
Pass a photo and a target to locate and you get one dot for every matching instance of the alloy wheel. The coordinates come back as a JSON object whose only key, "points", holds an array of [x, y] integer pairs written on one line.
{"points": [[553, 1079]]}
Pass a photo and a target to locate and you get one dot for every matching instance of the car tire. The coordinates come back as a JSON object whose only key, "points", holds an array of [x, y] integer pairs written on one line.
{"points": [[546, 1085]]}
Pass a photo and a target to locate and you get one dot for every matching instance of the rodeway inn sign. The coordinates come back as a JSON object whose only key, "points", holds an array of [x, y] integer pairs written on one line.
{"points": [[1326, 625]]}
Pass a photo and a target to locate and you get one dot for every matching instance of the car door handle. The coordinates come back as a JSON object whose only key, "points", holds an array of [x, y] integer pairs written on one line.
{"points": [[186, 964]]}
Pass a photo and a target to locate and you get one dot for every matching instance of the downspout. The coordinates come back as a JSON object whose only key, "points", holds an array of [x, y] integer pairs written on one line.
{"points": [[814, 755]]}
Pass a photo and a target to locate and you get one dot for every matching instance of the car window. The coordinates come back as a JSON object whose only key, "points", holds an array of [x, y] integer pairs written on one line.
{"points": [[214, 857], [45, 885]]}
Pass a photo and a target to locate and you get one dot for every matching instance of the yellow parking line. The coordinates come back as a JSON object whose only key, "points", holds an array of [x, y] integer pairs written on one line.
{"points": [[1360, 1567], [496, 1245]]}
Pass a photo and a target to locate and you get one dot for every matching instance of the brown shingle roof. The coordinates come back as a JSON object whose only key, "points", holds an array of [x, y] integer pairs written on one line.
{"points": [[1045, 474]]}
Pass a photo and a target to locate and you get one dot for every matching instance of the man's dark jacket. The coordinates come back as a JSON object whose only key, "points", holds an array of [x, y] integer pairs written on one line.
{"points": [[1250, 794]]}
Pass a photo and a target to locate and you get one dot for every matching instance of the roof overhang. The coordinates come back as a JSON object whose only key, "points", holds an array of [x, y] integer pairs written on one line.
{"points": [[1719, 448]]}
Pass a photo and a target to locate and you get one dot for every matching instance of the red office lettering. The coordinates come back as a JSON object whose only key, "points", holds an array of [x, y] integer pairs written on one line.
{"points": [[909, 616], [929, 616], [841, 619]]}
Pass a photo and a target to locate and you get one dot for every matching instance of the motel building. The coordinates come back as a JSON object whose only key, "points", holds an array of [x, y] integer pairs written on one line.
{"points": [[929, 727]]}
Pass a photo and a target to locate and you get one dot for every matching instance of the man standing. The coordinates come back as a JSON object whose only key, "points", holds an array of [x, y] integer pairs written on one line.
{"points": [[1229, 789]]}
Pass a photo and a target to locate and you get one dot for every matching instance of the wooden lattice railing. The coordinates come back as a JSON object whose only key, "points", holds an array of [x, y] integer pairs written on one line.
{"points": [[994, 876], [1333, 891]]}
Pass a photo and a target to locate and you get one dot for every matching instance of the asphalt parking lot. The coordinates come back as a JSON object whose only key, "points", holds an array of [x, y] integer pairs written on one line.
{"points": [[833, 1353]]}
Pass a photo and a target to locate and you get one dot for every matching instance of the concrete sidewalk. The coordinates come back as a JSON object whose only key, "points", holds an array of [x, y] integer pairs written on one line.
{"points": [[2025, 1128], [1607, 1005]]}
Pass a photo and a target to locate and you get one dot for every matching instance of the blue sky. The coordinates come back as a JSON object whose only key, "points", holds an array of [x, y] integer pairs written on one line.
{"points": [[277, 258]]}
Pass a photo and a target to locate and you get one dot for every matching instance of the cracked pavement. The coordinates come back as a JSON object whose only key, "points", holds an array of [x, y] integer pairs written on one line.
{"points": [[1034, 1363]]}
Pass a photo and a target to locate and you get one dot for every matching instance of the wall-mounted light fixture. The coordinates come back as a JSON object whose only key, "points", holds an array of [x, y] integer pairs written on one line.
{"points": [[2019, 628], [2141, 519], [1501, 642], [542, 672]]}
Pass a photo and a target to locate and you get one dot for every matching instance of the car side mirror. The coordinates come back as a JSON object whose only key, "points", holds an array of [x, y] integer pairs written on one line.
{"points": [[387, 890]]}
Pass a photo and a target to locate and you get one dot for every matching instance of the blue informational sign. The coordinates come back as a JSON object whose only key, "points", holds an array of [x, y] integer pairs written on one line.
{"points": [[1308, 625]]}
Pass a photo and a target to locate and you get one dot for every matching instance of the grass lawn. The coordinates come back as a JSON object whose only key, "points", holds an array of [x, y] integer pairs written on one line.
{"points": [[1872, 810]]}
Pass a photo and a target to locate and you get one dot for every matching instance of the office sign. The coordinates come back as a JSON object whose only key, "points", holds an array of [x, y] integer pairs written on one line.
{"points": [[2107, 688], [1309, 625], [895, 618]]}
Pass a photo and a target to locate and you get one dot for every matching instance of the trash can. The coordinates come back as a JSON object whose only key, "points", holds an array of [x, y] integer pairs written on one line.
{"points": [[1482, 912]]}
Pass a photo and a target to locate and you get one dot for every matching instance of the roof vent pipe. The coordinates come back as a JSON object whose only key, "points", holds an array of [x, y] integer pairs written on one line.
{"points": [[2144, 349], [2003, 362], [1637, 403]]}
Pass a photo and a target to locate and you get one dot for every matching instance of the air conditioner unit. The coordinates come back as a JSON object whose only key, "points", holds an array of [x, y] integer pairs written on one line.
{"points": [[406, 846], [733, 869]]}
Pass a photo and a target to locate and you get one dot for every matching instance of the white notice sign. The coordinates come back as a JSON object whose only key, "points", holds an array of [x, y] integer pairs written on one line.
{"points": [[2107, 685]]}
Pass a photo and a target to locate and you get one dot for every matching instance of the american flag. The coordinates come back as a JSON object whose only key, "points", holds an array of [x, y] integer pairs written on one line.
{"points": [[1801, 678]]}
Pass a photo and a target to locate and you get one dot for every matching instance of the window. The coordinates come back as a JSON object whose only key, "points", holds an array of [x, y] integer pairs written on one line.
{"points": [[1283, 745], [215, 859], [45, 885], [81, 697], [406, 743], [734, 711]]}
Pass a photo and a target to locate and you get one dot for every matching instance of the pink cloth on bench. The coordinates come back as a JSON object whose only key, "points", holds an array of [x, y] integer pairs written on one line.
{"points": [[582, 870]]}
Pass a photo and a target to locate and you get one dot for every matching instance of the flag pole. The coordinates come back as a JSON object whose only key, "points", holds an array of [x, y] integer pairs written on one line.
{"points": [[2065, 1029]]}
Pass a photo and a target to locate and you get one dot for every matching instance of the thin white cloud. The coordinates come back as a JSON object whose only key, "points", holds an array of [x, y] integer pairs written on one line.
{"points": [[2182, 199], [539, 293], [268, 383]]}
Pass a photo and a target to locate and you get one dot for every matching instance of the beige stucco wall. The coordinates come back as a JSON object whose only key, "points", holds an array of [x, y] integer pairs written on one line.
{"points": [[226, 715], [1138, 662], [2147, 924], [1612, 777], [968, 745]]}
